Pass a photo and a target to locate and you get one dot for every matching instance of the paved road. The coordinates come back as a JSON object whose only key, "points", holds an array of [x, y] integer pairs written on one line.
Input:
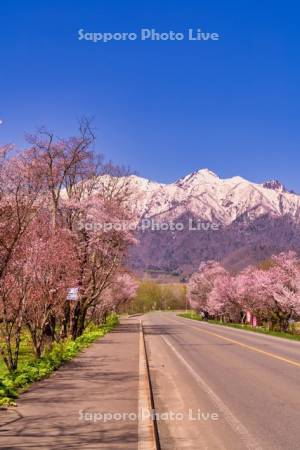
{"points": [[244, 386], [229, 389]]}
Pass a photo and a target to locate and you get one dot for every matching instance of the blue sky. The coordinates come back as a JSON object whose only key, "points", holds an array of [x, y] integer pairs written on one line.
{"points": [[163, 108]]}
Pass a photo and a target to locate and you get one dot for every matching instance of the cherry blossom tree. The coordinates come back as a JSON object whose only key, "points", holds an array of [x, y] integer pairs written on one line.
{"points": [[20, 190], [80, 200], [201, 284], [223, 298], [279, 287], [53, 268], [101, 252], [121, 291], [270, 291], [63, 162], [53, 199]]}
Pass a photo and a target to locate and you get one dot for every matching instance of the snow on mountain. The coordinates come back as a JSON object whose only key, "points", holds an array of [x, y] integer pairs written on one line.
{"points": [[205, 195], [255, 221]]}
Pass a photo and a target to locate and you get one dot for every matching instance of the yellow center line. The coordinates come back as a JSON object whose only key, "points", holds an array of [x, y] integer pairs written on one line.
{"points": [[250, 347]]}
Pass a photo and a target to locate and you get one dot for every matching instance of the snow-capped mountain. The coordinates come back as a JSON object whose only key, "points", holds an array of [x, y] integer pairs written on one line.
{"points": [[252, 221], [209, 197]]}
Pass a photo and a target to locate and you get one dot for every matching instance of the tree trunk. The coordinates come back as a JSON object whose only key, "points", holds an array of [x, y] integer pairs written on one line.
{"points": [[65, 320], [81, 322]]}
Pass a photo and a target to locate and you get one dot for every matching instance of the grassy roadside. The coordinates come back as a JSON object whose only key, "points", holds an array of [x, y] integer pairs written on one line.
{"points": [[31, 370], [190, 315], [194, 316]]}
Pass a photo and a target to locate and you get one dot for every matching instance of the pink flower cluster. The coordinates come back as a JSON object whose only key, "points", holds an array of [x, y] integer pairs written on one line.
{"points": [[269, 291]]}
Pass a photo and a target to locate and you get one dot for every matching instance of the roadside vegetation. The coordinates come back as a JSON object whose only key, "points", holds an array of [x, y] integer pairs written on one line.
{"points": [[191, 315], [293, 334], [152, 296], [31, 369], [61, 271], [265, 296]]}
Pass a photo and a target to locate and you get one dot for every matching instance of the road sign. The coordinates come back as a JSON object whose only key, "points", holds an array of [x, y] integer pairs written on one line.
{"points": [[73, 294]]}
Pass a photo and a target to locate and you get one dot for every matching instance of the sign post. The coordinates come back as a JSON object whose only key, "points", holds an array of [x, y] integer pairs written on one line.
{"points": [[72, 296]]}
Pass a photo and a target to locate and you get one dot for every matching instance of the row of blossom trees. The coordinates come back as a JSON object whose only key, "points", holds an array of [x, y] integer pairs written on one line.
{"points": [[49, 194], [269, 291]]}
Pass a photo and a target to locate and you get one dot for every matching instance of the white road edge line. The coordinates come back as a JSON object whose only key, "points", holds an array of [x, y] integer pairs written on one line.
{"points": [[146, 433], [236, 425]]}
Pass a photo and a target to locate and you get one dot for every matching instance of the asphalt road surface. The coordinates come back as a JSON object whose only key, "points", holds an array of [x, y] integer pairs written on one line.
{"points": [[222, 388], [214, 388]]}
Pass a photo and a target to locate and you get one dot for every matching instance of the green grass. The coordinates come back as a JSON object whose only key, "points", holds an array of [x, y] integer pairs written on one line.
{"points": [[190, 315], [262, 330], [31, 369], [194, 316], [26, 354]]}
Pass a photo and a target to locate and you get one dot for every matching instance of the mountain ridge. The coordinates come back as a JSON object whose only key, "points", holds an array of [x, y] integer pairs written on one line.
{"points": [[255, 220]]}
